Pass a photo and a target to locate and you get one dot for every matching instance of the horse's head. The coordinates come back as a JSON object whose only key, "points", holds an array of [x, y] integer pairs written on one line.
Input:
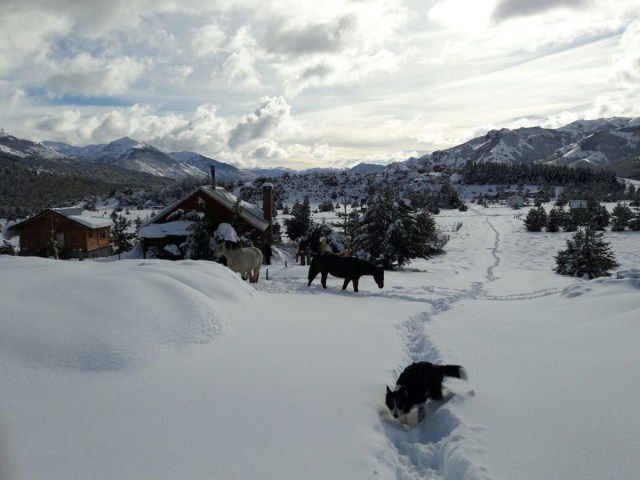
{"points": [[224, 246], [219, 250], [379, 277]]}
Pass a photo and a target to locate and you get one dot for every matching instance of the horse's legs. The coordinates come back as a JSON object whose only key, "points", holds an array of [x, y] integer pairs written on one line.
{"points": [[345, 283], [355, 283], [323, 280]]}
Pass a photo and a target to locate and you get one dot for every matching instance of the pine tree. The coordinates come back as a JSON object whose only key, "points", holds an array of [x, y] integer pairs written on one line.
{"points": [[555, 219], [122, 237], [200, 242], [621, 215], [536, 219], [599, 217], [587, 255], [347, 220], [391, 233], [300, 220]]}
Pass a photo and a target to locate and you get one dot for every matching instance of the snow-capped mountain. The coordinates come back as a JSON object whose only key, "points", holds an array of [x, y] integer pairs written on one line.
{"points": [[224, 171], [133, 155], [367, 168], [607, 143], [17, 147]]}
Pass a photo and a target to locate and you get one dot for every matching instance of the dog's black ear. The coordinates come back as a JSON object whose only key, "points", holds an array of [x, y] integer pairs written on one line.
{"points": [[388, 389]]}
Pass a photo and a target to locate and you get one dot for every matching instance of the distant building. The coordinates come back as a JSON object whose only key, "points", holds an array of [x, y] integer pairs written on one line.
{"points": [[64, 233], [515, 201], [578, 204]]}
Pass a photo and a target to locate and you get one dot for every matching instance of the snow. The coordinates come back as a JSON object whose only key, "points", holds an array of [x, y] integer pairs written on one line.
{"points": [[161, 230], [225, 232], [149, 369], [91, 221]]}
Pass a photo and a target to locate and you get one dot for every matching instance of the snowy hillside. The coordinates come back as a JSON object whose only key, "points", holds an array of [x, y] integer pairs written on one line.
{"points": [[600, 143], [138, 369], [134, 155], [17, 147], [224, 171]]}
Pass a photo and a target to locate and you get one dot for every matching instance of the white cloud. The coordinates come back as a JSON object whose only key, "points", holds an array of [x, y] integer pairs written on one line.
{"points": [[25, 35], [91, 76], [208, 40], [240, 66], [364, 77], [462, 15], [517, 8], [272, 120], [270, 152]]}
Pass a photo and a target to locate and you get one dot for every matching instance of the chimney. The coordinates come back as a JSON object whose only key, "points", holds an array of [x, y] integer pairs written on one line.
{"points": [[267, 208], [213, 176]]}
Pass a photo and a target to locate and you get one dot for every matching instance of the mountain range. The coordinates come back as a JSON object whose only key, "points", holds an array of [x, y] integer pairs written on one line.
{"points": [[612, 143]]}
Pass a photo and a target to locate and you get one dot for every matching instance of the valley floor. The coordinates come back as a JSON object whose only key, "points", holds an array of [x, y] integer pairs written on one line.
{"points": [[149, 369]]}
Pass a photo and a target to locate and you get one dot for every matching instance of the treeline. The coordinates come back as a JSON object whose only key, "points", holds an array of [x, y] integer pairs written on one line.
{"points": [[536, 174], [27, 190]]}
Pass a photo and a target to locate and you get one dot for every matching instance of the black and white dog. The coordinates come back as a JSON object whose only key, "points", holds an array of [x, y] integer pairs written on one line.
{"points": [[418, 383]]}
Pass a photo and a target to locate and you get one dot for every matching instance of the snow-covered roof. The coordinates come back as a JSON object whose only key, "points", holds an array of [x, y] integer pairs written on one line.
{"points": [[91, 222], [161, 230], [76, 214], [250, 212]]}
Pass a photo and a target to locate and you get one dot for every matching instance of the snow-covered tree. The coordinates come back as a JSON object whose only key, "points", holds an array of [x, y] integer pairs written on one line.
{"points": [[200, 243], [587, 255], [390, 233]]}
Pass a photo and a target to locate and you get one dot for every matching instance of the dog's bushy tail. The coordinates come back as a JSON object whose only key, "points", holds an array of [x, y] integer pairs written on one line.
{"points": [[455, 371]]}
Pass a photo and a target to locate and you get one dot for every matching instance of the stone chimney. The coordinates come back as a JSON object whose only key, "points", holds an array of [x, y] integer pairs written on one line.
{"points": [[213, 176], [267, 209]]}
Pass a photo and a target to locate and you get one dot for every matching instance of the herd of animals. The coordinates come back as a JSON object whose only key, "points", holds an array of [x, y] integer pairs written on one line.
{"points": [[419, 383]]}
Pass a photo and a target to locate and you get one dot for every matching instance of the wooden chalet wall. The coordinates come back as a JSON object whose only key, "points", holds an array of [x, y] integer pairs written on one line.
{"points": [[77, 240]]}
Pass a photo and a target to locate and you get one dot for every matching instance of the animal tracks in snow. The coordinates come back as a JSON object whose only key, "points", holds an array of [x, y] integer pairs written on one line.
{"points": [[442, 446]]}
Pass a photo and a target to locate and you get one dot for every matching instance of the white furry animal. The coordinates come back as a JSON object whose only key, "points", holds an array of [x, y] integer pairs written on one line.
{"points": [[245, 261]]}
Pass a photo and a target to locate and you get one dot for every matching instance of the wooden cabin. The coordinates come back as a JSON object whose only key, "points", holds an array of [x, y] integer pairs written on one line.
{"points": [[169, 229], [63, 233]]}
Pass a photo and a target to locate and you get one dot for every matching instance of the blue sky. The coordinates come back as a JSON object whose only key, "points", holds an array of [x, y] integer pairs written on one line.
{"points": [[302, 83]]}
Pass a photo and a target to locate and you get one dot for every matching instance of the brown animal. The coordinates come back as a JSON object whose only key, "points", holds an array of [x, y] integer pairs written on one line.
{"points": [[349, 268]]}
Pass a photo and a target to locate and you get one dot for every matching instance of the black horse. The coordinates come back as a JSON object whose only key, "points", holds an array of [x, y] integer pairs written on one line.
{"points": [[349, 268]]}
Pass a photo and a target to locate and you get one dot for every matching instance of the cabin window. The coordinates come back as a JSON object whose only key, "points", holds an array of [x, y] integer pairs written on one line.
{"points": [[102, 235], [90, 234]]}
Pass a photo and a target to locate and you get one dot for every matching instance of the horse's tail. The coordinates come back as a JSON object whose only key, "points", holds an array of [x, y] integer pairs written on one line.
{"points": [[256, 271], [314, 269]]}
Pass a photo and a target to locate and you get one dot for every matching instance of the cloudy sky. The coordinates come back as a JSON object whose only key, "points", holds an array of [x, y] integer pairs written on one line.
{"points": [[305, 83]]}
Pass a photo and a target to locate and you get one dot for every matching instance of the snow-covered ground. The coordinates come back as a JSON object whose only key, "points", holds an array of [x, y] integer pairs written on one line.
{"points": [[146, 369]]}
